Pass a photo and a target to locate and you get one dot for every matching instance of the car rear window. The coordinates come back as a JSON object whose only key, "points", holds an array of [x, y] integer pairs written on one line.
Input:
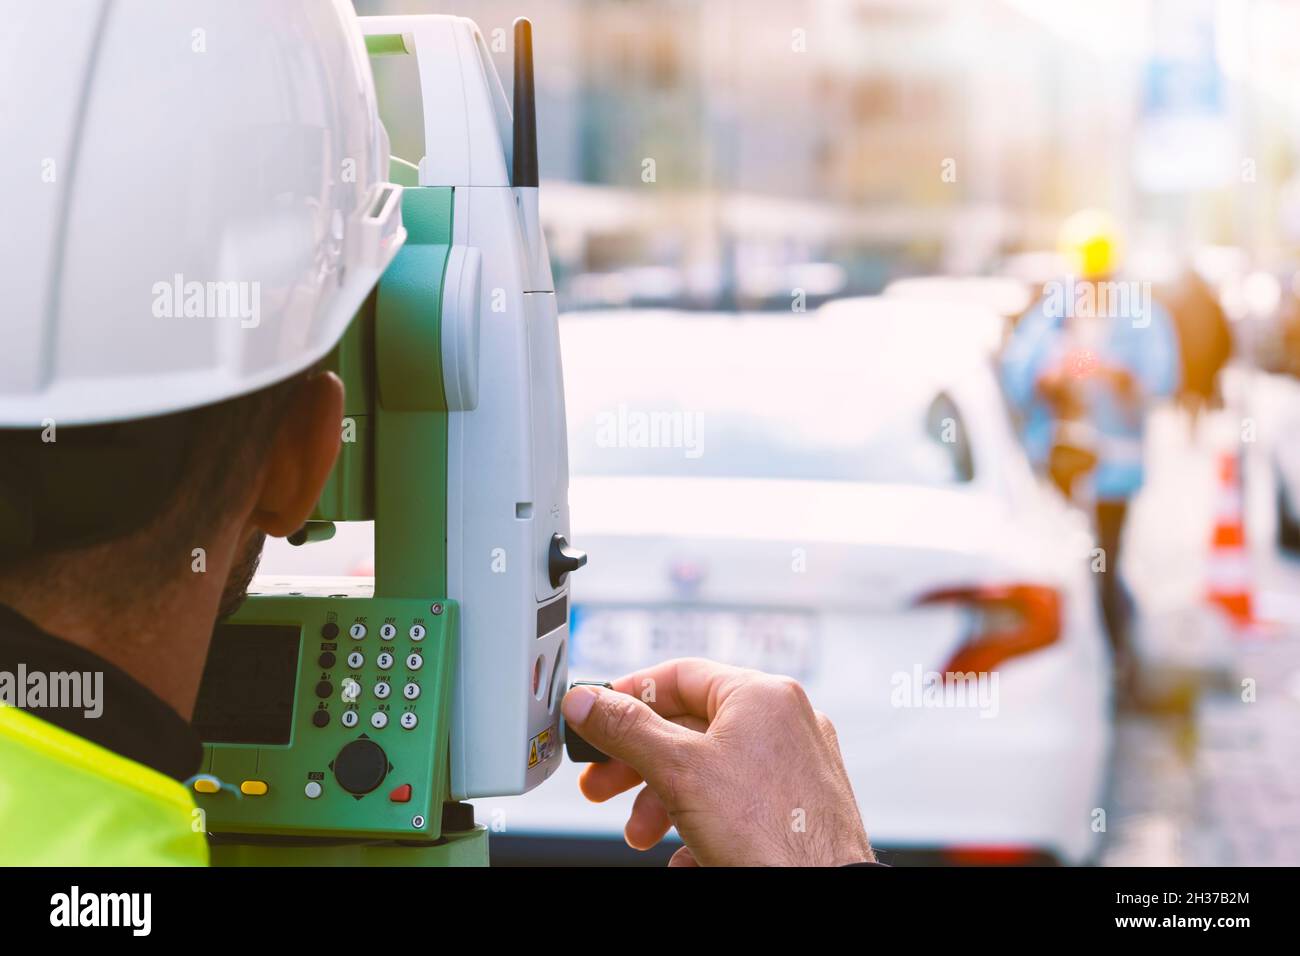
{"points": [[755, 421]]}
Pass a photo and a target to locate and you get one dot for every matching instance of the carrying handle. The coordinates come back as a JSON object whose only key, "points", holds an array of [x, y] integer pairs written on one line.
{"points": [[379, 228]]}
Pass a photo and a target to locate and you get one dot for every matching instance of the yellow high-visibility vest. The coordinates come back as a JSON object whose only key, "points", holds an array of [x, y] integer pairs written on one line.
{"points": [[65, 801]]}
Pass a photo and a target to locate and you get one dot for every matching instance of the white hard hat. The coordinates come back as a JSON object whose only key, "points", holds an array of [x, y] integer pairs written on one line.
{"points": [[194, 196]]}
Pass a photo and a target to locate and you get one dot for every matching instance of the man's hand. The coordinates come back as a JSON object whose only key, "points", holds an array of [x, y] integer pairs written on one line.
{"points": [[737, 760], [1121, 380], [1056, 385]]}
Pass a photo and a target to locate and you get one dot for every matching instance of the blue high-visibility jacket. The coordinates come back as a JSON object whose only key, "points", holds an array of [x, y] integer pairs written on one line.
{"points": [[1143, 342]]}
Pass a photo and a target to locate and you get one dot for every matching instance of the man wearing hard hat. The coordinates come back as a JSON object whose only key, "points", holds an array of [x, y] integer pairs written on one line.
{"points": [[1082, 368], [195, 208]]}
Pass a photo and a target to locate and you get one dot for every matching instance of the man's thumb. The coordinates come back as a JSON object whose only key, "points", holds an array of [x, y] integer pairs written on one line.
{"points": [[624, 727]]}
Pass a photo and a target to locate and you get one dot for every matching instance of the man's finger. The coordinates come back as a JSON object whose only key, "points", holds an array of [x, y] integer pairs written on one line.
{"points": [[648, 822], [685, 686], [683, 857], [604, 781], [626, 729]]}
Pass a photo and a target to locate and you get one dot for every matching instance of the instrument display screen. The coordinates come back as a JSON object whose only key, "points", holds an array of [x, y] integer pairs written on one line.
{"points": [[248, 687]]}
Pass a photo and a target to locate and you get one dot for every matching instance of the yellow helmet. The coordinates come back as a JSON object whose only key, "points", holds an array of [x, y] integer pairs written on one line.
{"points": [[1089, 241]]}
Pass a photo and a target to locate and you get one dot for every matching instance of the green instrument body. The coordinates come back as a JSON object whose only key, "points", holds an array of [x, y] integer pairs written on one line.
{"points": [[326, 704], [346, 720]]}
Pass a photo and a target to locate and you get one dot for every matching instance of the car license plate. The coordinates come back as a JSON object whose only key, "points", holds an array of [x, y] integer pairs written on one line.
{"points": [[610, 641]]}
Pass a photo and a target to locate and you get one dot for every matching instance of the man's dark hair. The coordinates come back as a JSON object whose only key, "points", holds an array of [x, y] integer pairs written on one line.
{"points": [[65, 488]]}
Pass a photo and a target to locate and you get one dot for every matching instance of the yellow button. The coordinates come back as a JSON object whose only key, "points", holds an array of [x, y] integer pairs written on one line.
{"points": [[253, 788], [206, 786]]}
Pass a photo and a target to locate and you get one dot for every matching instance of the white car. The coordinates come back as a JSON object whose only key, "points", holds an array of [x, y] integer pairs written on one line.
{"points": [[839, 497], [1286, 461], [1008, 297], [1270, 403]]}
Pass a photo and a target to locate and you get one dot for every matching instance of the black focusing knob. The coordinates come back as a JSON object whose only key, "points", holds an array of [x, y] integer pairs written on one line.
{"points": [[562, 559], [361, 766], [578, 749]]}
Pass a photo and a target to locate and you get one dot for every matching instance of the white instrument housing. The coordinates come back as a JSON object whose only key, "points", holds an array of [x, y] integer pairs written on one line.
{"points": [[507, 467]]}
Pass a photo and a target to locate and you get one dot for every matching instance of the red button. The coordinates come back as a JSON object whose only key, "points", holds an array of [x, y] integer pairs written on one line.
{"points": [[401, 794]]}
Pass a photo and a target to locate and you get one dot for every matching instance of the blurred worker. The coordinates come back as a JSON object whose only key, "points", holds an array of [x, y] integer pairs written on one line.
{"points": [[1204, 339], [1082, 368], [150, 440]]}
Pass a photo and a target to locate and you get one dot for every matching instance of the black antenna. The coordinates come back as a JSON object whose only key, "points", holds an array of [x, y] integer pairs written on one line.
{"points": [[525, 108]]}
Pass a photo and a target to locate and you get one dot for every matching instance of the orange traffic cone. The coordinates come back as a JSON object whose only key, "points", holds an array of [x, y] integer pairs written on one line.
{"points": [[1228, 577]]}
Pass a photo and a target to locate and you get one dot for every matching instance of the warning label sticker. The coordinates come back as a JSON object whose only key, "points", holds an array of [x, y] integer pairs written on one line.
{"points": [[541, 747]]}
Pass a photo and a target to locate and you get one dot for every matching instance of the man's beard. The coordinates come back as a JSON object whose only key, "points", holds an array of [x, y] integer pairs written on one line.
{"points": [[241, 574]]}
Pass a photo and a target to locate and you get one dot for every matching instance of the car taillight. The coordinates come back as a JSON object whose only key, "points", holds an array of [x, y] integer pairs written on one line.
{"points": [[995, 856], [1009, 620]]}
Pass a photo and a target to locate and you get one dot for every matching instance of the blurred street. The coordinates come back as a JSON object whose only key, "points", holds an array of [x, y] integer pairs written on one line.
{"points": [[881, 394], [720, 433], [1201, 776]]}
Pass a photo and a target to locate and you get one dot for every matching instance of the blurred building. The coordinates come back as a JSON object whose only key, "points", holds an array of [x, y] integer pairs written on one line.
{"points": [[730, 152]]}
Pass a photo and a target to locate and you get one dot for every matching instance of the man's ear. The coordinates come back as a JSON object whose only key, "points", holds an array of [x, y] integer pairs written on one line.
{"points": [[300, 456]]}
